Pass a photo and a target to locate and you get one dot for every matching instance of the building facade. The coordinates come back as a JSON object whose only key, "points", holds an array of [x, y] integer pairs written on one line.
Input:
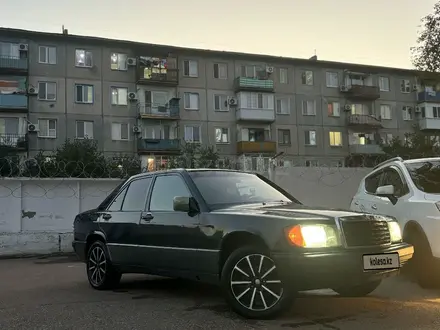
{"points": [[135, 98]]}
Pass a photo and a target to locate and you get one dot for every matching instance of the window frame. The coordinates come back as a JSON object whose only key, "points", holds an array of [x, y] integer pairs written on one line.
{"points": [[371, 175], [381, 87], [390, 112], [112, 88], [76, 93], [332, 106], [218, 64], [223, 108], [85, 56], [286, 71], [330, 133], [120, 132], [47, 52], [406, 110], [327, 80], [304, 78], [200, 133], [228, 135], [283, 131], [84, 137], [188, 94], [48, 129], [150, 194], [46, 83], [403, 88], [117, 56], [309, 144], [281, 99], [188, 74], [306, 102]]}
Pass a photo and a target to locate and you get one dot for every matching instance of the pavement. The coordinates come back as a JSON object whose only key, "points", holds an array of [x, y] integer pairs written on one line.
{"points": [[53, 293]]}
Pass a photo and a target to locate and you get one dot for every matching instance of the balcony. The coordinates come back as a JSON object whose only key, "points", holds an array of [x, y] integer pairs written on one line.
{"points": [[11, 64], [159, 145], [157, 71], [244, 147], [361, 92], [363, 149], [363, 120], [13, 103], [260, 115], [14, 141], [429, 124], [428, 97], [169, 111], [253, 84]]}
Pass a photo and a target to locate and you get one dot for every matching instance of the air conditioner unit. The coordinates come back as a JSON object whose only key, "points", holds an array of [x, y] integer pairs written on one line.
{"points": [[269, 69], [418, 110], [347, 107], [23, 47], [131, 61], [136, 129], [32, 91], [33, 128], [232, 101], [132, 96], [343, 88]]}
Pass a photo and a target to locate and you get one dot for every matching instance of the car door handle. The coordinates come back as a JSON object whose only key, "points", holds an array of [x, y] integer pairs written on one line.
{"points": [[374, 207], [146, 217], [106, 216]]}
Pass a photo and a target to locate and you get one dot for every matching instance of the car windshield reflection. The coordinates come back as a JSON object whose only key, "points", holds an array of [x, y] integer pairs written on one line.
{"points": [[426, 176]]}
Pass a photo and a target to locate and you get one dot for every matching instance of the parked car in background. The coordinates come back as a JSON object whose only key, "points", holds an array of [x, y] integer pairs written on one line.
{"points": [[410, 192], [238, 230]]}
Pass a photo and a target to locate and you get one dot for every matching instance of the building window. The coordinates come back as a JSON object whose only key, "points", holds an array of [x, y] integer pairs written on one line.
{"points": [[284, 74], [47, 128], [120, 131], [335, 139], [307, 78], [405, 86], [8, 49], [83, 58], [256, 100], [47, 55], [384, 84], [191, 101], [387, 138], [283, 107], [431, 112], [309, 108], [222, 135], [407, 113], [385, 111], [312, 163], [83, 93], [252, 71], [47, 91], [310, 138], [192, 134], [220, 102], [119, 96], [334, 109], [190, 68], [84, 129], [220, 71], [360, 109], [332, 79], [284, 136], [118, 62]]}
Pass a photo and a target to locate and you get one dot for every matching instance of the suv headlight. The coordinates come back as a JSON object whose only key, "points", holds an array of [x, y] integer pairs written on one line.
{"points": [[395, 232], [313, 236]]}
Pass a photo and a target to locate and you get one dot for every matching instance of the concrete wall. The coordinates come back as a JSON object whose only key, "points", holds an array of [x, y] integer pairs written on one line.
{"points": [[36, 215]]}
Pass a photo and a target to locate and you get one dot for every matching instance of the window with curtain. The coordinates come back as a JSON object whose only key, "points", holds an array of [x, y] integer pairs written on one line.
{"points": [[119, 96], [120, 131]]}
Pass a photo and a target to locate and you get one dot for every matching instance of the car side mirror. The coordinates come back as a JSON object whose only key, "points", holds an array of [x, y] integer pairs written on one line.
{"points": [[185, 204], [387, 191]]}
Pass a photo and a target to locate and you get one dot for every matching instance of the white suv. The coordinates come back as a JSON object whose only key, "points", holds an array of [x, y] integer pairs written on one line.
{"points": [[409, 191]]}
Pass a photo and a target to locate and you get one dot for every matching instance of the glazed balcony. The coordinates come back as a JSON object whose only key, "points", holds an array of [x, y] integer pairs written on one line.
{"points": [[157, 71], [429, 124], [361, 92], [12, 64], [253, 84], [268, 146], [363, 121], [170, 111], [158, 145], [428, 96], [13, 103], [17, 142]]}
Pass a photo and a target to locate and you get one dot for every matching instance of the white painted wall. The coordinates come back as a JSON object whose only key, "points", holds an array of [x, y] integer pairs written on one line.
{"points": [[36, 215]]}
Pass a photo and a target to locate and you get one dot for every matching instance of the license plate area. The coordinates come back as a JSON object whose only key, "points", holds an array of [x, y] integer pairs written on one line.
{"points": [[381, 261]]}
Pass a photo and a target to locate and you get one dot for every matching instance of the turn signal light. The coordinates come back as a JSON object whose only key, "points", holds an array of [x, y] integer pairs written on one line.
{"points": [[295, 236]]}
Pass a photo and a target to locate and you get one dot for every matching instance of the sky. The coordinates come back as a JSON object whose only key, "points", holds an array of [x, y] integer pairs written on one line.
{"points": [[375, 32]]}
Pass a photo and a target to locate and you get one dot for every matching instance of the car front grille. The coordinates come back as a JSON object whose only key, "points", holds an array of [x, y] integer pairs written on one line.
{"points": [[365, 232]]}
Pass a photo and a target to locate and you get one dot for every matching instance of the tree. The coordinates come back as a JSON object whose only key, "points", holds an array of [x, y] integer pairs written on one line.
{"points": [[426, 55], [195, 156]]}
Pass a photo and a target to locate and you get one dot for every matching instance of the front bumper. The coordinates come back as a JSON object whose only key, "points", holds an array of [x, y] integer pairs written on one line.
{"points": [[331, 269]]}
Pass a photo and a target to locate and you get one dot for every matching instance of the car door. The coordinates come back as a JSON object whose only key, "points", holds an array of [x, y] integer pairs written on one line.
{"points": [[174, 237], [120, 220], [365, 200]]}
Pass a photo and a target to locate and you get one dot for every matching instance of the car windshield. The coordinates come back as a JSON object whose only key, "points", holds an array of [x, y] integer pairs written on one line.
{"points": [[426, 175], [220, 188]]}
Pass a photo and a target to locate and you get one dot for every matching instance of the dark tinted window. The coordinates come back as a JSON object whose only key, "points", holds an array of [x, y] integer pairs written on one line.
{"points": [[136, 195], [426, 176], [392, 177], [165, 189], [372, 182], [117, 202], [107, 200]]}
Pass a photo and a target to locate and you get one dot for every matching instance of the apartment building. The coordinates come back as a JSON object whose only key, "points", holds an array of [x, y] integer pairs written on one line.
{"points": [[144, 99]]}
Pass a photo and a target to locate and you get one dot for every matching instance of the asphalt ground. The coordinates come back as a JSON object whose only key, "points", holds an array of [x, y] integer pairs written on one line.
{"points": [[53, 293]]}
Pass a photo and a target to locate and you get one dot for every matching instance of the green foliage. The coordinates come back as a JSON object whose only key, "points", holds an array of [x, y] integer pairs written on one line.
{"points": [[193, 155]]}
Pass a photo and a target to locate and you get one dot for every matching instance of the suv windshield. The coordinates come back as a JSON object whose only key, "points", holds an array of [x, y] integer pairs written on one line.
{"points": [[220, 188], [426, 175]]}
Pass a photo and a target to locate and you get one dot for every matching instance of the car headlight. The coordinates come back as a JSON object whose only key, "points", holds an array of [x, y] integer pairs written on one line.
{"points": [[395, 232], [313, 236]]}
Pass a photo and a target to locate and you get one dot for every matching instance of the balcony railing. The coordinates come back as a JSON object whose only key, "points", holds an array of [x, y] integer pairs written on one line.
{"points": [[13, 63], [159, 111], [13, 102], [427, 124], [17, 141], [363, 120], [361, 92], [162, 145], [253, 84], [256, 147], [365, 149], [149, 76], [428, 96]]}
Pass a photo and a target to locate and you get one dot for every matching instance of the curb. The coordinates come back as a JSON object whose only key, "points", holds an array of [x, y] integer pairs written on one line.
{"points": [[38, 256]]}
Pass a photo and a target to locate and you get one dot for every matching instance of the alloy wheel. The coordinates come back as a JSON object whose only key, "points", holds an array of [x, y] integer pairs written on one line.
{"points": [[97, 266], [255, 283]]}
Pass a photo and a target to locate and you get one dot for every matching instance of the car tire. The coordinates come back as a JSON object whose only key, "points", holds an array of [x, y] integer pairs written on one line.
{"points": [[251, 290], [100, 272], [361, 290]]}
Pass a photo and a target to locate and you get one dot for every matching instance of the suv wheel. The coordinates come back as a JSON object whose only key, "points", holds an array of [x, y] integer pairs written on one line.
{"points": [[361, 290], [100, 272], [252, 284]]}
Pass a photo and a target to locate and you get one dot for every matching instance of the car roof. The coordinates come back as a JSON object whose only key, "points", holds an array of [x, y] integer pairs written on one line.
{"points": [[181, 170], [420, 160]]}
